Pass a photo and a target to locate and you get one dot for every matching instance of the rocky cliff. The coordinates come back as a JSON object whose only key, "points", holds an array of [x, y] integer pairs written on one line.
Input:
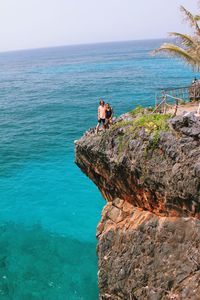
{"points": [[147, 167]]}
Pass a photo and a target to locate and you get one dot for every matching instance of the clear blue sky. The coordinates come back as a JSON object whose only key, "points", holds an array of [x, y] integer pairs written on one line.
{"points": [[43, 23]]}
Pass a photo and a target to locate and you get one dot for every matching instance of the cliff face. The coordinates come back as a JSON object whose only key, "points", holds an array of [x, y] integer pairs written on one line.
{"points": [[149, 234]]}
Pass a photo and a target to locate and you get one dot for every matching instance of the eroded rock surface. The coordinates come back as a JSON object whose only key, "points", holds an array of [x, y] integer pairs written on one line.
{"points": [[149, 234], [143, 256]]}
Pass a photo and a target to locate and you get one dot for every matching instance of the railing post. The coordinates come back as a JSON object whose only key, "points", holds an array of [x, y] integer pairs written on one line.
{"points": [[165, 106], [163, 100], [176, 108]]}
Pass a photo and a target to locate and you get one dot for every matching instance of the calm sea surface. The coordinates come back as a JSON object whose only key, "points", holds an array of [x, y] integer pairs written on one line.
{"points": [[48, 209]]}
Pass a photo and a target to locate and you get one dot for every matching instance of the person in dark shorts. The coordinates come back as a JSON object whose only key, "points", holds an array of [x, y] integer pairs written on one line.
{"points": [[101, 115], [109, 115]]}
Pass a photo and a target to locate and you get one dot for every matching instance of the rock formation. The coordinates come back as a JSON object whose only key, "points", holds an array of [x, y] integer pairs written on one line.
{"points": [[149, 234]]}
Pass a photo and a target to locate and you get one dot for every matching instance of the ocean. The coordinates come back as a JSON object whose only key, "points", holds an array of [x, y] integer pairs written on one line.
{"points": [[48, 209]]}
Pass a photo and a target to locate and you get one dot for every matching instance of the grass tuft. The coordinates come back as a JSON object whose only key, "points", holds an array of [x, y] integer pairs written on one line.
{"points": [[138, 110], [153, 122]]}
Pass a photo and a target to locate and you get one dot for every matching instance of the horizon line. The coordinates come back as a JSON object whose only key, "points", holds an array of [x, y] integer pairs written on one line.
{"points": [[81, 44]]}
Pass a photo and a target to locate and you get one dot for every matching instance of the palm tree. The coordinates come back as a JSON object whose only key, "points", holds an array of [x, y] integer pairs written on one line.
{"points": [[189, 46]]}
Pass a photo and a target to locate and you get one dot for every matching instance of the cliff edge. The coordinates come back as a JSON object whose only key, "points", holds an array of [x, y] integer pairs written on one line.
{"points": [[147, 167]]}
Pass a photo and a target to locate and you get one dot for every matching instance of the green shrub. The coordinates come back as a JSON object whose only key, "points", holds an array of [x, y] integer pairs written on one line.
{"points": [[153, 122], [139, 109], [120, 124]]}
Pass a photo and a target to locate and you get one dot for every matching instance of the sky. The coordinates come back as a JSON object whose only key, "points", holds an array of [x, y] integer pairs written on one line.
{"points": [[26, 24]]}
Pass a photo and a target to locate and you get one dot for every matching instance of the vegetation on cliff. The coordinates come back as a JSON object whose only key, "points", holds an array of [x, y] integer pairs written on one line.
{"points": [[139, 118]]}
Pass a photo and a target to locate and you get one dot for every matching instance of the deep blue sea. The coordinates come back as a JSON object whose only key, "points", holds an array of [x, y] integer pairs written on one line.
{"points": [[48, 209]]}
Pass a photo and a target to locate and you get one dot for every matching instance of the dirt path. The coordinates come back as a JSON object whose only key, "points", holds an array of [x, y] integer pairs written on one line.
{"points": [[185, 108]]}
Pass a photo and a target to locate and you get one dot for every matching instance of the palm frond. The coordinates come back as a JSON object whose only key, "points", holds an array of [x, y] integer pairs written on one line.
{"points": [[178, 52], [186, 40], [189, 17]]}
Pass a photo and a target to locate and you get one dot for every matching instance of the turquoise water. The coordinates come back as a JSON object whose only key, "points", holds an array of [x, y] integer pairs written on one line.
{"points": [[48, 209]]}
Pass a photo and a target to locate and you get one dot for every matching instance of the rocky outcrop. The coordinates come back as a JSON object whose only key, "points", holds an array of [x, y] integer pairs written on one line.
{"points": [[149, 234]]}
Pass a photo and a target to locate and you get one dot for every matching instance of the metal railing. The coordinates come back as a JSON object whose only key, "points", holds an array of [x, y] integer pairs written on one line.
{"points": [[176, 96]]}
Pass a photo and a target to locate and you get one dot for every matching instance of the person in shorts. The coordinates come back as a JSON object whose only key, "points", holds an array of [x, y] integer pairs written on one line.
{"points": [[101, 115], [109, 115]]}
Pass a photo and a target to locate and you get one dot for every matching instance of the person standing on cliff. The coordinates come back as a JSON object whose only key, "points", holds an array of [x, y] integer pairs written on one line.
{"points": [[101, 115], [109, 115]]}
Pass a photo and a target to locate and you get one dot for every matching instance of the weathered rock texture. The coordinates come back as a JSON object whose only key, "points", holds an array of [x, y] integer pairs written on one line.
{"points": [[149, 234]]}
